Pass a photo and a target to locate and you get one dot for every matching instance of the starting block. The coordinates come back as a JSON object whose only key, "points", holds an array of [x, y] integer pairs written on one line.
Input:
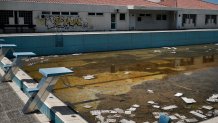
{"points": [[12, 69], [45, 86]]}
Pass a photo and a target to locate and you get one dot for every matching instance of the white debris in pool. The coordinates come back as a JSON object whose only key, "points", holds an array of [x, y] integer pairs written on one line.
{"points": [[178, 94], [207, 107], [95, 112], [111, 121], [150, 91], [188, 73], [113, 112], [213, 98], [188, 100], [155, 106], [131, 109], [136, 105], [157, 114], [88, 77], [170, 107], [127, 121], [128, 112], [157, 51], [151, 102], [173, 52], [198, 114], [180, 116], [174, 48], [87, 106], [126, 72], [77, 54], [173, 117], [118, 110], [192, 120]]}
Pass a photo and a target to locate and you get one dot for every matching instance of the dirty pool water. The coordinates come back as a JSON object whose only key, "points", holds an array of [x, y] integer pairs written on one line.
{"points": [[124, 78]]}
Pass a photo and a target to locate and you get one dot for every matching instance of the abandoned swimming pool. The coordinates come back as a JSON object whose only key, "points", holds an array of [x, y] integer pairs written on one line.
{"points": [[124, 79]]}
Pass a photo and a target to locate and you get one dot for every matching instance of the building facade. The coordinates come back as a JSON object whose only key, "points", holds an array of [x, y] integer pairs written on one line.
{"points": [[105, 15]]}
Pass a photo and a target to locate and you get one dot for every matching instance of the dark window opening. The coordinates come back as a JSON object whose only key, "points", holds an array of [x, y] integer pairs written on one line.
{"points": [[45, 13], [55, 13], [91, 14], [158, 17], [211, 19], [5, 15], [190, 17], [73, 13], [122, 16], [100, 14], [64, 13], [27, 15], [164, 17], [139, 19], [142, 15], [148, 15]]}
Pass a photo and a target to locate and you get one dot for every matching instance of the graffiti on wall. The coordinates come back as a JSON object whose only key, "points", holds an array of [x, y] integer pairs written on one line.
{"points": [[65, 22]]}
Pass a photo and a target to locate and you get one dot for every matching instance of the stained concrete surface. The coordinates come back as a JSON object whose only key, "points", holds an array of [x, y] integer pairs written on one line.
{"points": [[11, 107]]}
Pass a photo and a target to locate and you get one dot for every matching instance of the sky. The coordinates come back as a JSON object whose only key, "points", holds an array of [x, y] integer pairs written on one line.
{"points": [[213, 1]]}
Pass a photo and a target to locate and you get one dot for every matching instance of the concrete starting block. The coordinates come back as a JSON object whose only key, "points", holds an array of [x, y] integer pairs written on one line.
{"points": [[12, 69], [45, 86]]}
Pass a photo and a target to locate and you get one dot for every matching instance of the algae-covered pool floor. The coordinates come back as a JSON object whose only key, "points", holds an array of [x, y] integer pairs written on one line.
{"points": [[123, 78]]}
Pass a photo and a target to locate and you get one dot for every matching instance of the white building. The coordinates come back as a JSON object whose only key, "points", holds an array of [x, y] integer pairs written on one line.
{"points": [[105, 15]]}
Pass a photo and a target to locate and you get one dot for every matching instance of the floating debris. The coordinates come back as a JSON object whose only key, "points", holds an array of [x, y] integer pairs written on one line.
{"points": [[188, 100], [77, 54], [111, 121], [127, 72], [188, 73], [192, 120], [157, 114], [178, 94], [87, 106], [150, 91], [95, 112], [170, 107], [131, 109], [157, 51], [136, 105], [128, 112], [213, 98], [174, 48], [151, 102], [216, 44], [155, 106], [127, 121], [215, 113], [118, 110], [198, 114], [173, 117], [88, 77], [207, 107], [180, 116]]}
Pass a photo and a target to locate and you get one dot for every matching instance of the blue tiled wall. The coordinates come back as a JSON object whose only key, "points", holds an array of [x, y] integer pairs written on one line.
{"points": [[45, 45]]}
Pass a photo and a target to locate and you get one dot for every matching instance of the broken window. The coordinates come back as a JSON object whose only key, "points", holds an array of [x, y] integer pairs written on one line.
{"points": [[189, 19], [122, 16]]}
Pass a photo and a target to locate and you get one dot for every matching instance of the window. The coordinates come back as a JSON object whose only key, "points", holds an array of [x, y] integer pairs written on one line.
{"points": [[139, 19], [73, 13], [122, 16], [55, 13], [158, 17], [45, 13], [64, 13], [161, 17], [189, 19], [211, 19], [4, 19], [99, 14], [141, 15], [27, 15], [148, 15], [91, 14]]}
